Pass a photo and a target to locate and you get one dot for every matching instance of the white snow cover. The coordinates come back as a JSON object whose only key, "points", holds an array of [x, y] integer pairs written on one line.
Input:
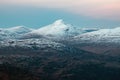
{"points": [[41, 43], [101, 35], [14, 32], [58, 28], [19, 29]]}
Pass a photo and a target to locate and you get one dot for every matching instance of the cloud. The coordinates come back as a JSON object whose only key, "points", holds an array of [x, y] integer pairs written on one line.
{"points": [[108, 9]]}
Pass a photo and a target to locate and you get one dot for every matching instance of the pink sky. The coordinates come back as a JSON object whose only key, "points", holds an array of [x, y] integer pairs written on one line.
{"points": [[108, 9]]}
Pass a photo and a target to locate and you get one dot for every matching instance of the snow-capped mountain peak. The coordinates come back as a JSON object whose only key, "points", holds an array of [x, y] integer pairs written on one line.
{"points": [[58, 22], [58, 28]]}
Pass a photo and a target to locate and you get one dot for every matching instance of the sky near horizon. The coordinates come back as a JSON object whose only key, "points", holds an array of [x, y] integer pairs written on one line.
{"points": [[82, 13]]}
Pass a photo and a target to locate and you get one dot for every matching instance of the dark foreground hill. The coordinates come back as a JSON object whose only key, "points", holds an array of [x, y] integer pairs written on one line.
{"points": [[52, 64]]}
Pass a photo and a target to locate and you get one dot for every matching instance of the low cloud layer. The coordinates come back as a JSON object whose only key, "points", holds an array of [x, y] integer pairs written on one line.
{"points": [[105, 9]]}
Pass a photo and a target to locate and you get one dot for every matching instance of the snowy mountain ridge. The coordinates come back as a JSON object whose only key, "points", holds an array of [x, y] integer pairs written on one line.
{"points": [[14, 32], [59, 30], [109, 35]]}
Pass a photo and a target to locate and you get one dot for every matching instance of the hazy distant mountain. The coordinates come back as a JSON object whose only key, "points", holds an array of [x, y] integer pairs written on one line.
{"points": [[14, 32]]}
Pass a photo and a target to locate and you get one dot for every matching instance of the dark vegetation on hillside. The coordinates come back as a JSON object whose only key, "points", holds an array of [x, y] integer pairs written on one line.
{"points": [[57, 65]]}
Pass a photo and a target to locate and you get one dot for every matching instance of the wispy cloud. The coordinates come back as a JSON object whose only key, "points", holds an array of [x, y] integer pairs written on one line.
{"points": [[108, 9]]}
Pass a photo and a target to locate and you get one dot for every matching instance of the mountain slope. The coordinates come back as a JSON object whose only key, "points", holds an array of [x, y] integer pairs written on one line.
{"points": [[102, 35], [14, 32], [19, 29], [57, 30]]}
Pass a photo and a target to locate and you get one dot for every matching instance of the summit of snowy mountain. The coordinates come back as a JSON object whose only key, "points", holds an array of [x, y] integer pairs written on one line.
{"points": [[105, 35], [57, 29], [58, 22]]}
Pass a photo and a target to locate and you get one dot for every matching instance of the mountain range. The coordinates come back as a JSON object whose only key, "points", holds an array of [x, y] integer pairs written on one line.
{"points": [[61, 30], [59, 51], [62, 33], [57, 29]]}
